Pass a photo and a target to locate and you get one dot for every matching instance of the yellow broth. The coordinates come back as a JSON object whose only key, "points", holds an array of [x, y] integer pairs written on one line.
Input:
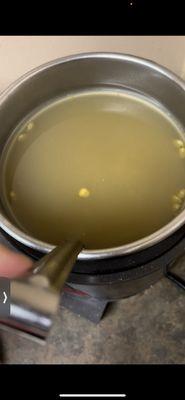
{"points": [[105, 167]]}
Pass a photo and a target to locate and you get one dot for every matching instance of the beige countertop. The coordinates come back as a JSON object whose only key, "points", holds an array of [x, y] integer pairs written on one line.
{"points": [[19, 54]]}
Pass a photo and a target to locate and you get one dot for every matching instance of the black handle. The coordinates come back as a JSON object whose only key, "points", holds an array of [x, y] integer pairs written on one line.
{"points": [[175, 278]]}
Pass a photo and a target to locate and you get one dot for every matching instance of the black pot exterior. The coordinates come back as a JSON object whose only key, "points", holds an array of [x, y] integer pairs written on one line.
{"points": [[120, 277]]}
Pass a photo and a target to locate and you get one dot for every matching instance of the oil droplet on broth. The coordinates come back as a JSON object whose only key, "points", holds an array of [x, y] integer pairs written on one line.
{"points": [[181, 194], [182, 152], [30, 125], [178, 200], [21, 137], [12, 196], [109, 139], [84, 192], [178, 143]]}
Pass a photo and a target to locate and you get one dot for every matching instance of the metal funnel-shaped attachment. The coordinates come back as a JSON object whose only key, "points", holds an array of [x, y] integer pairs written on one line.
{"points": [[35, 299]]}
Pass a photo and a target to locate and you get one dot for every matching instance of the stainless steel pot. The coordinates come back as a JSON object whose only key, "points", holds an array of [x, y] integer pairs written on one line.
{"points": [[41, 85]]}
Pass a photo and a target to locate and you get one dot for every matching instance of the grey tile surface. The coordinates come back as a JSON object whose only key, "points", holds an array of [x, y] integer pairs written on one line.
{"points": [[146, 328]]}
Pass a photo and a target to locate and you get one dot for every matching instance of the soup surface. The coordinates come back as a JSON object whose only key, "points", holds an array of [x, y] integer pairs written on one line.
{"points": [[106, 167]]}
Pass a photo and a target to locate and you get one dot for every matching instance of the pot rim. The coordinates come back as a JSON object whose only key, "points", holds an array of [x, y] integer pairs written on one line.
{"points": [[132, 247]]}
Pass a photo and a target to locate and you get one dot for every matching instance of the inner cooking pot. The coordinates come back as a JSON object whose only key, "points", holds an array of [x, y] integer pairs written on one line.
{"points": [[46, 83], [84, 71]]}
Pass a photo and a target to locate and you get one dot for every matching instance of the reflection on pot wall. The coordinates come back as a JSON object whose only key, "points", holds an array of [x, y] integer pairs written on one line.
{"points": [[19, 54]]}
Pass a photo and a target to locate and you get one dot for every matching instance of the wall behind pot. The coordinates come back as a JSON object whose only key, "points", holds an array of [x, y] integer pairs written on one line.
{"points": [[19, 54]]}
